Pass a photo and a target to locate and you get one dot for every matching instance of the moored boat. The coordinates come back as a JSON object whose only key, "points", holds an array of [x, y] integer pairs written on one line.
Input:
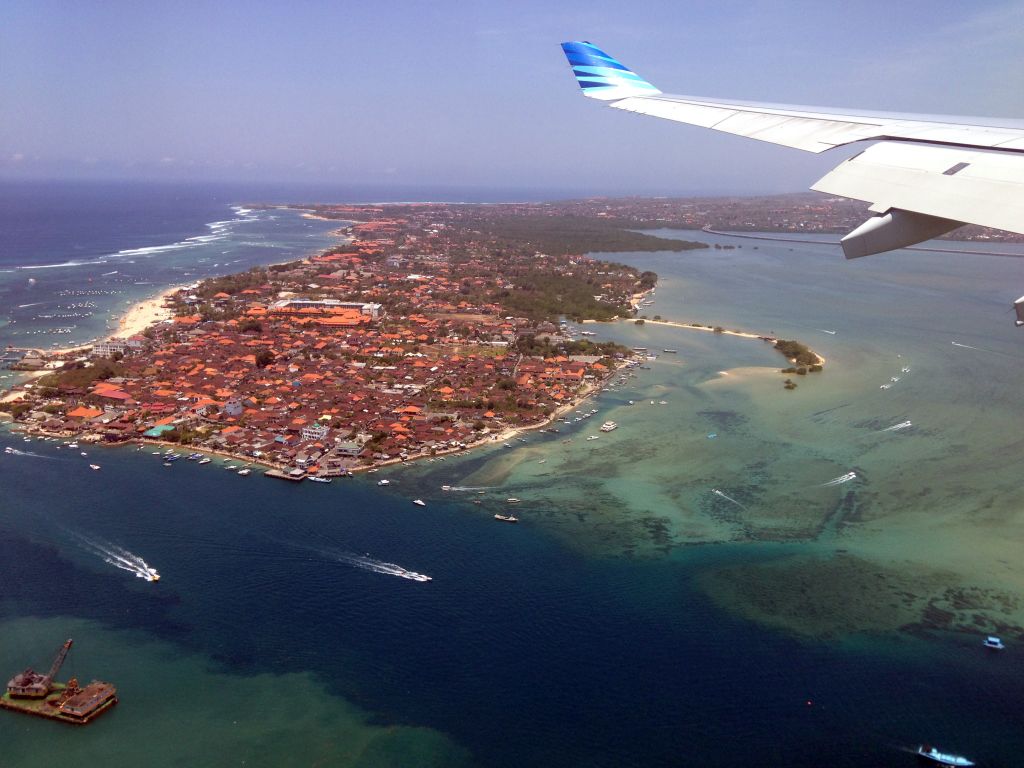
{"points": [[419, 502], [994, 643], [315, 479], [506, 518]]}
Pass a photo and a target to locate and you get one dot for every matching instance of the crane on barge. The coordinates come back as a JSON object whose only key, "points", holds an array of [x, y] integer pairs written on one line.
{"points": [[32, 685]]}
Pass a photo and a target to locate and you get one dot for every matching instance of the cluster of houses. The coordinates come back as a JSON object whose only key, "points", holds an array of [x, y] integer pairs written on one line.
{"points": [[371, 353]]}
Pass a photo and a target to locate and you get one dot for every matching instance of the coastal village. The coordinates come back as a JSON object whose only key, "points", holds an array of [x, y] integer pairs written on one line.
{"points": [[417, 336]]}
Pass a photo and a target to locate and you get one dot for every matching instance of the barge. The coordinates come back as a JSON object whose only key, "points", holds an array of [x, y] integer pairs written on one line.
{"points": [[35, 694]]}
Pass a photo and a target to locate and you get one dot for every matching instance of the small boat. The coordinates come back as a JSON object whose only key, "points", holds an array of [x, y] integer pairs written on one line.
{"points": [[932, 756], [446, 487], [506, 518], [419, 502], [245, 472], [994, 643], [168, 464], [230, 467], [543, 461], [205, 460], [670, 351], [72, 445], [511, 500], [608, 426], [385, 481], [94, 466], [84, 453], [153, 575], [594, 437], [315, 479]]}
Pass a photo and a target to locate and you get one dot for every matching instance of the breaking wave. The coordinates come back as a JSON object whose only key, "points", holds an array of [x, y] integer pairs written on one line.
{"points": [[896, 427]]}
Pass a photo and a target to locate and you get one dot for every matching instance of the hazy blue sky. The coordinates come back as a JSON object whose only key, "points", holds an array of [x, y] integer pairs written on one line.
{"points": [[469, 93]]}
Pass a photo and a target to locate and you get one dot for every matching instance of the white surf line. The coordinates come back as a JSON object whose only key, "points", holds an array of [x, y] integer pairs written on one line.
{"points": [[895, 427], [840, 480], [118, 557], [729, 498]]}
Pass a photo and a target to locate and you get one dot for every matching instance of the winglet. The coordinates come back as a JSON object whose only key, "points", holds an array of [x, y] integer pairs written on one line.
{"points": [[602, 77]]}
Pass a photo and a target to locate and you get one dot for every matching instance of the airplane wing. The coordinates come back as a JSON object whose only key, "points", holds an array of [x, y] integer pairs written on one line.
{"points": [[924, 177]]}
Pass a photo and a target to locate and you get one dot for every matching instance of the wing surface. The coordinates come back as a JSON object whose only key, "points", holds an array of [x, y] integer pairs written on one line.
{"points": [[926, 175]]}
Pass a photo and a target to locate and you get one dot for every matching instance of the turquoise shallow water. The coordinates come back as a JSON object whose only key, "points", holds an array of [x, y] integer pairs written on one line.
{"points": [[284, 633]]}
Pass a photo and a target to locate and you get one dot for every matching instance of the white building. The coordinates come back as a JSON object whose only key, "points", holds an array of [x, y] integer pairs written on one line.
{"points": [[315, 431]]}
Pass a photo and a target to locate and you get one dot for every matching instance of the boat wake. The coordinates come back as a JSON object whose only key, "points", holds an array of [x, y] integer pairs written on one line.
{"points": [[15, 452], [119, 558], [897, 427], [471, 488], [840, 480], [729, 498], [965, 346], [367, 563]]}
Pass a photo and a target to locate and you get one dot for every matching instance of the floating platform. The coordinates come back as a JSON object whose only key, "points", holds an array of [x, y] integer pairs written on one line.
{"points": [[75, 706], [278, 474]]}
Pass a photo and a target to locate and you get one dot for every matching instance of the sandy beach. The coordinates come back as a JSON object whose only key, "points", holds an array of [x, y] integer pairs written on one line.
{"points": [[146, 313], [137, 319]]}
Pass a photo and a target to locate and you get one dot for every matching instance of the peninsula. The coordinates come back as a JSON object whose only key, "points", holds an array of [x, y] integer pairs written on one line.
{"points": [[431, 328]]}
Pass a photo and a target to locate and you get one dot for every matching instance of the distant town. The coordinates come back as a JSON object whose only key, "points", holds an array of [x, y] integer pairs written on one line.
{"points": [[430, 328]]}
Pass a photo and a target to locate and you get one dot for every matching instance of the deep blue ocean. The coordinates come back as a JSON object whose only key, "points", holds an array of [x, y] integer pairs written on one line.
{"points": [[285, 629]]}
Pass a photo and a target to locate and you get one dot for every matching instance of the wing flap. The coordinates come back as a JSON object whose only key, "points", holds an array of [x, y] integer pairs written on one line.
{"points": [[971, 186]]}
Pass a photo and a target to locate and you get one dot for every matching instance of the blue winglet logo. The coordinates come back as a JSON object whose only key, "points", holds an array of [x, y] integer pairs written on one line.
{"points": [[602, 77]]}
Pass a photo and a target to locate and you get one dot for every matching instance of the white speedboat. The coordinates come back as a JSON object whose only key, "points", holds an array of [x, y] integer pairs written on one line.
{"points": [[446, 487], [507, 518], [94, 466], [511, 500], [994, 643], [419, 502], [315, 479], [245, 472], [608, 426], [205, 460], [385, 481], [932, 756]]}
